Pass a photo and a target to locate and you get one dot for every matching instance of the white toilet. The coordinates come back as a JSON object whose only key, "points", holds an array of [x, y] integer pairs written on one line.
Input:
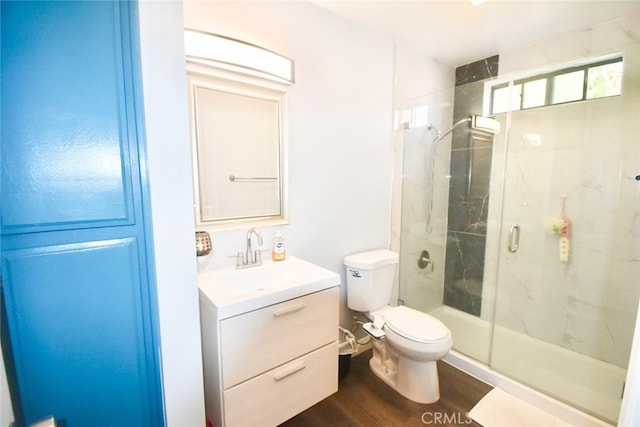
{"points": [[407, 342]]}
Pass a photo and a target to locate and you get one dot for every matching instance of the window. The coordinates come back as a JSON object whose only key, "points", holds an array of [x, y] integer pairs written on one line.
{"points": [[604, 80], [567, 87], [590, 81], [534, 93], [505, 98]]}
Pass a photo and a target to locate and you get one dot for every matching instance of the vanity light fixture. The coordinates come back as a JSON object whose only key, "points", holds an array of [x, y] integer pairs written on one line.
{"points": [[203, 243], [236, 55]]}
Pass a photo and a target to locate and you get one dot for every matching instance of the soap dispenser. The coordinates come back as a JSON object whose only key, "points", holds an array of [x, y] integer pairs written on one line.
{"points": [[278, 253]]}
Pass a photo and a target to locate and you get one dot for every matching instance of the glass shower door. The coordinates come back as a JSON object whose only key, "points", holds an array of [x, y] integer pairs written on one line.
{"points": [[568, 248]]}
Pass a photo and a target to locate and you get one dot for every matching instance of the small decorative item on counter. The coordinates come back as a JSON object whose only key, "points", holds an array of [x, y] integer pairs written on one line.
{"points": [[203, 243], [278, 253]]}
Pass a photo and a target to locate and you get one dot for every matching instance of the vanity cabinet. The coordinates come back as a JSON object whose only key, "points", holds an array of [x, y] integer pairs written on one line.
{"points": [[267, 365]]}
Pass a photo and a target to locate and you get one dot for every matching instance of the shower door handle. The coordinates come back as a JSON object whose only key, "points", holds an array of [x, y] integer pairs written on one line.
{"points": [[514, 238]]}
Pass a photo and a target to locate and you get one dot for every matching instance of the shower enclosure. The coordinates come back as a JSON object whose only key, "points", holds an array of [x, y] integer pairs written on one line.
{"points": [[534, 232]]}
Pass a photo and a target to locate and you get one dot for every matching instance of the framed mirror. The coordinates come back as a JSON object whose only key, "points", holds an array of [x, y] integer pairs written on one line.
{"points": [[239, 152]]}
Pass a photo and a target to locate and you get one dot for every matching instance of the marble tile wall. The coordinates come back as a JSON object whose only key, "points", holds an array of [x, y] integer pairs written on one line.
{"points": [[589, 152], [424, 85], [470, 169]]}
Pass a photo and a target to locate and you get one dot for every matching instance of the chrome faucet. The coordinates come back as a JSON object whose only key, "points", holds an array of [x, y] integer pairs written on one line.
{"points": [[251, 258]]}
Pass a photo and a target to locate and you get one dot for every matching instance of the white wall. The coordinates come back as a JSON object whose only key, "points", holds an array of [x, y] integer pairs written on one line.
{"points": [[340, 128], [169, 166], [6, 411]]}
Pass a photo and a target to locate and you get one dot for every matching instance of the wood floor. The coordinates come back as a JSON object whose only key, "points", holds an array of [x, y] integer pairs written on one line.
{"points": [[365, 400]]}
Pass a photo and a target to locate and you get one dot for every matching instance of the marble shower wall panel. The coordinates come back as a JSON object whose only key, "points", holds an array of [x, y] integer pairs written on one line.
{"points": [[469, 186], [464, 272], [423, 288], [605, 38], [425, 291], [587, 151], [590, 152], [477, 71], [420, 83], [470, 169], [469, 98]]}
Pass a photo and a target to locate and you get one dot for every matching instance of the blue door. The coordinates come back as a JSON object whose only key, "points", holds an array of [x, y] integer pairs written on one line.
{"points": [[80, 334]]}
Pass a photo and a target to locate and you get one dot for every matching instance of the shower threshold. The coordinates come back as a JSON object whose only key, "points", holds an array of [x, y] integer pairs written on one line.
{"points": [[566, 376]]}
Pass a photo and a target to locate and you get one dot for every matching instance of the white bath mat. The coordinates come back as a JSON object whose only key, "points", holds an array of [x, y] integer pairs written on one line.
{"points": [[500, 409]]}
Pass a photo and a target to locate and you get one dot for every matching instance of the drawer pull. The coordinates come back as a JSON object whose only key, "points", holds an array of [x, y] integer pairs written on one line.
{"points": [[287, 310], [289, 370]]}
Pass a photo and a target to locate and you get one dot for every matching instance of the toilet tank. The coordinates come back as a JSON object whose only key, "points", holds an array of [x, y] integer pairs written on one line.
{"points": [[370, 279]]}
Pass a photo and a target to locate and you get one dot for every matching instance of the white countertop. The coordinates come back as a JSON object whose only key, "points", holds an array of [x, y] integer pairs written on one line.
{"points": [[232, 291]]}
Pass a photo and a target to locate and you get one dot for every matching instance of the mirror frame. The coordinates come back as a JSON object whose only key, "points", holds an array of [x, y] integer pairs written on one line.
{"points": [[199, 76]]}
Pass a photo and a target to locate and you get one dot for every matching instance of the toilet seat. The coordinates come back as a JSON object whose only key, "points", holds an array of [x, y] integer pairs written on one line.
{"points": [[415, 325]]}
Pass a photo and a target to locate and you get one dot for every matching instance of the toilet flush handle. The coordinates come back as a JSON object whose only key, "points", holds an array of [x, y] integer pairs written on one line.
{"points": [[373, 330], [425, 260]]}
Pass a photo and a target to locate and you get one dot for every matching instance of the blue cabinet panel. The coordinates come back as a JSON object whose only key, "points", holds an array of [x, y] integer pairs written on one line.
{"points": [[78, 289], [79, 347], [63, 114]]}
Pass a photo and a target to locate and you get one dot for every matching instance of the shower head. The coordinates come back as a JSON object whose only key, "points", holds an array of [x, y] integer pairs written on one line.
{"points": [[477, 122], [485, 124], [481, 123]]}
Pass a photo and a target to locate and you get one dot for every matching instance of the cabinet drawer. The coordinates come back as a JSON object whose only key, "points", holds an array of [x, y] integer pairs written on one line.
{"points": [[257, 341], [281, 393]]}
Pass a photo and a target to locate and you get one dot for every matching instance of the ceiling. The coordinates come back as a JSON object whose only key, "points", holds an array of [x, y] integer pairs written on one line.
{"points": [[455, 32]]}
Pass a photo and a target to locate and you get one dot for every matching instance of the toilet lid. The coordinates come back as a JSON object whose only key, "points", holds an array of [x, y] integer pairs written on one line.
{"points": [[415, 325]]}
